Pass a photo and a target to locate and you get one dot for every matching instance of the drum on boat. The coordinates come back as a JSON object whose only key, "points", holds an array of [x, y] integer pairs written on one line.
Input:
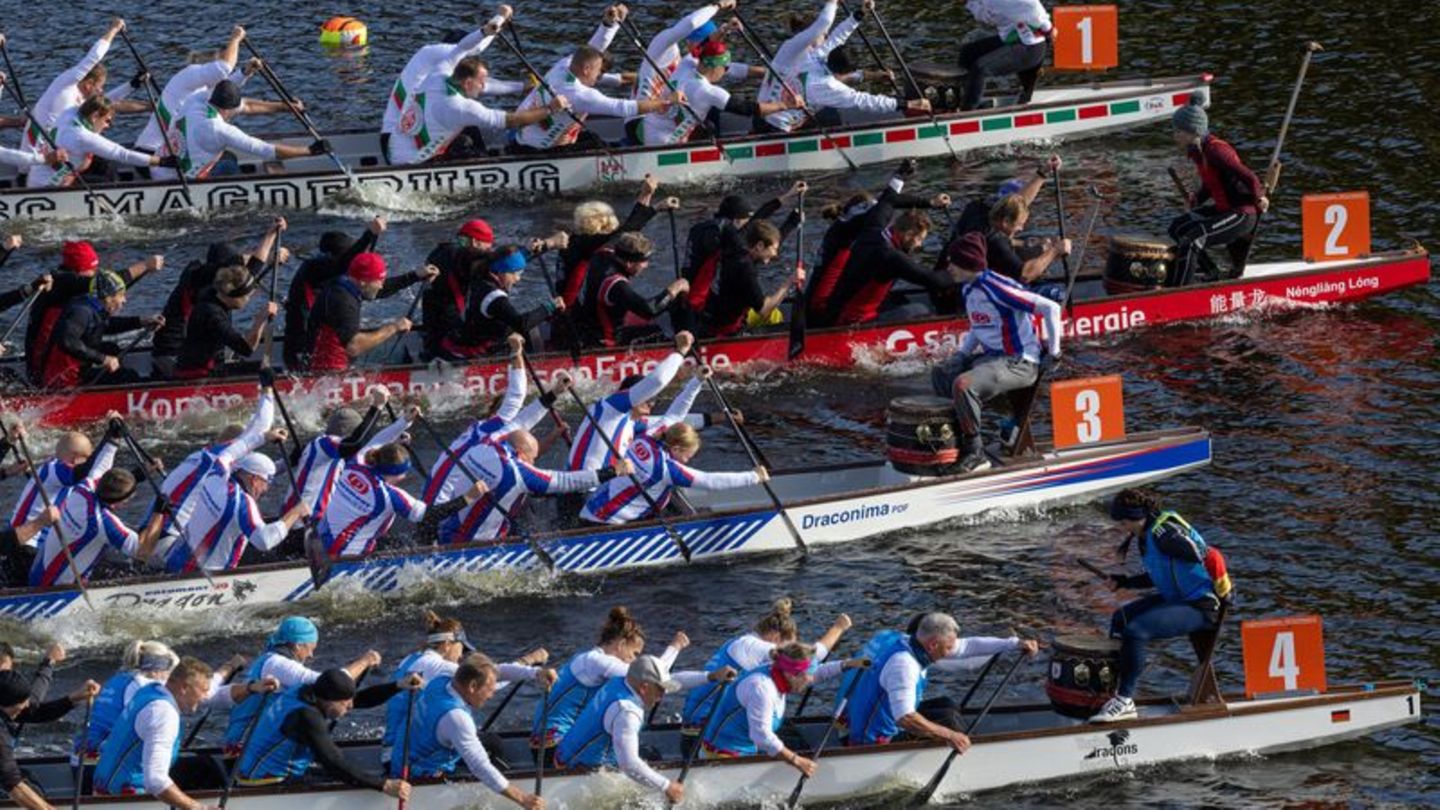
{"points": [[1137, 263], [921, 435], [1084, 673]]}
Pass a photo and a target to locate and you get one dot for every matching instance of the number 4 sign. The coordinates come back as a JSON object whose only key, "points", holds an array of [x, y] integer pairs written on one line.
{"points": [[1087, 411], [1087, 37], [1283, 655], [1335, 226]]}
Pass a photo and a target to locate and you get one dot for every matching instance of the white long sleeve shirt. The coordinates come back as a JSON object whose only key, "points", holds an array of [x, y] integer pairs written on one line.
{"points": [[88, 527], [201, 137], [74, 135], [665, 51], [439, 58], [456, 731], [560, 129], [181, 486], [794, 57], [63, 93], [1006, 318], [446, 478], [186, 85], [750, 651], [676, 125], [158, 726], [595, 666], [225, 519], [509, 479], [764, 705], [612, 416], [53, 476], [901, 673], [623, 722], [434, 116], [620, 501], [321, 463], [1023, 21]]}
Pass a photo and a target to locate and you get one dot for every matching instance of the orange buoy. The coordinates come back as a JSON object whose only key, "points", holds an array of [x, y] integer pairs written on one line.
{"points": [[344, 32]]}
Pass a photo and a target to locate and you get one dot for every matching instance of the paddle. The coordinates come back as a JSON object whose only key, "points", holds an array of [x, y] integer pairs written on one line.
{"points": [[568, 318], [1093, 568], [713, 692], [829, 730], [1080, 257], [1179, 186], [539, 551], [1272, 171], [409, 316], [909, 77], [874, 54], [405, 753], [145, 331], [274, 280], [205, 718], [923, 797], [634, 479], [765, 57], [59, 524], [300, 115], [800, 303], [979, 679], [633, 34], [267, 380], [44, 133], [505, 701], [540, 754], [153, 93], [20, 317], [240, 754], [555, 417], [78, 769], [147, 462], [545, 85], [753, 451]]}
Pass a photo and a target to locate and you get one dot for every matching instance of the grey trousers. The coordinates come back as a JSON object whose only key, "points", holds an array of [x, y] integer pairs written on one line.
{"points": [[975, 379]]}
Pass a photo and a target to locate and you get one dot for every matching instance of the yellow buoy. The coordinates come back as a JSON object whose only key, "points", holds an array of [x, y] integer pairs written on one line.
{"points": [[344, 32]]}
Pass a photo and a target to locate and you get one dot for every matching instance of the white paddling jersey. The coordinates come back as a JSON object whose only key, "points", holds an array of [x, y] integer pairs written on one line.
{"points": [[321, 464], [53, 476], [665, 50], [362, 511], [434, 116], [1022, 21], [182, 486], [62, 94], [559, 129], [225, 519], [1006, 318], [676, 126], [447, 479], [74, 135], [799, 62], [88, 526], [612, 415], [201, 137], [191, 83], [509, 479], [619, 500], [438, 58]]}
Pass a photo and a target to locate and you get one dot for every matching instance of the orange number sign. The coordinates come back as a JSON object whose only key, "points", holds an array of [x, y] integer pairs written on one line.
{"points": [[1087, 411], [1283, 655], [1087, 37], [1336, 226]]}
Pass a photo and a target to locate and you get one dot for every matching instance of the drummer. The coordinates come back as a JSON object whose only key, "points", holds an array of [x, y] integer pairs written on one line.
{"points": [[1178, 565], [889, 702], [1223, 210]]}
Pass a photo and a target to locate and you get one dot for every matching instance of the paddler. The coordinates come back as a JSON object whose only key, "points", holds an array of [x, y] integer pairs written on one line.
{"points": [[81, 133], [692, 32], [622, 639], [20, 294], [78, 264], [573, 78], [446, 645], [444, 731], [144, 744], [227, 516], [491, 315], [618, 413], [611, 312], [283, 659], [24, 159], [699, 84], [434, 123], [346, 435], [1223, 209], [206, 142], [754, 649], [191, 83], [210, 334], [889, 703], [607, 732], [11, 243], [69, 464], [20, 707], [662, 464], [739, 297], [881, 255], [77, 353], [1189, 579], [1007, 220], [294, 731], [88, 521], [195, 278], [431, 59], [335, 336], [706, 238], [17, 546], [1022, 37], [595, 226], [1000, 352], [336, 251], [444, 303]]}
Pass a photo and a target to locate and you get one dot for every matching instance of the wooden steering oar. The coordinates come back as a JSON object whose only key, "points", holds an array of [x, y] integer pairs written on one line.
{"points": [[153, 93]]}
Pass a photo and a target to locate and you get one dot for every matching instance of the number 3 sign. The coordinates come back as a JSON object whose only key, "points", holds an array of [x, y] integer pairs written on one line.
{"points": [[1283, 655], [1087, 411], [1335, 226]]}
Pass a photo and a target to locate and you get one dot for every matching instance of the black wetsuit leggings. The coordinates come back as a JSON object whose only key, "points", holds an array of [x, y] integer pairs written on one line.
{"points": [[991, 56], [1199, 229]]}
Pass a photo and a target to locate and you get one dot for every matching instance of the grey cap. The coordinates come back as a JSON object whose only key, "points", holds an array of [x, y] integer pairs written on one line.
{"points": [[649, 669], [342, 422], [1192, 118]]}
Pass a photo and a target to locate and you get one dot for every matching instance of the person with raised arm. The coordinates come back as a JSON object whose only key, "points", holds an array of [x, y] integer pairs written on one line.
{"points": [[80, 131], [662, 465], [335, 337], [330, 261], [595, 226], [206, 144], [22, 703], [616, 415]]}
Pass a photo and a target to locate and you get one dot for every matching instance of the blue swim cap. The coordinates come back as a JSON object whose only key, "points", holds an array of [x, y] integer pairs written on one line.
{"points": [[703, 32], [295, 630], [1012, 186], [513, 263]]}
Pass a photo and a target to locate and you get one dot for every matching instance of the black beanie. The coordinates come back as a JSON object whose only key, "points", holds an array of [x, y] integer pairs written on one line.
{"points": [[335, 242], [226, 96], [14, 688], [734, 207], [839, 62], [334, 684], [223, 254]]}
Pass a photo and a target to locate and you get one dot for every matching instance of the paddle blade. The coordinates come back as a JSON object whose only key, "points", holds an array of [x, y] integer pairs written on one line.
{"points": [[797, 327], [318, 559]]}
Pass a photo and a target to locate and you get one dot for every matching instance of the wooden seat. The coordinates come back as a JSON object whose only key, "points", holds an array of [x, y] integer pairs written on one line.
{"points": [[1204, 688]]}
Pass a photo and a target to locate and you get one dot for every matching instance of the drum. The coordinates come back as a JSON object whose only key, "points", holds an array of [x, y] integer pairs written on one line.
{"points": [[1136, 264], [1084, 673], [921, 435]]}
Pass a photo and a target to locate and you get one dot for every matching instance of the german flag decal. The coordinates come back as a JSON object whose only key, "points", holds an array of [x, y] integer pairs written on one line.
{"points": [[1340, 716]]}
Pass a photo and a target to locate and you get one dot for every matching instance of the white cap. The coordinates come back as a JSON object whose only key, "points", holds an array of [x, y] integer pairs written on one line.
{"points": [[649, 669], [258, 465]]}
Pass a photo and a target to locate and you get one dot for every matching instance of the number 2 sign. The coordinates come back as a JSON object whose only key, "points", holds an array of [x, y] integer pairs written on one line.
{"points": [[1283, 655], [1087, 37], [1087, 411], [1335, 226]]}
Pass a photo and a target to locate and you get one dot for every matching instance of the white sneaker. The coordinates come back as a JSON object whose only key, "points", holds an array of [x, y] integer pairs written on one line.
{"points": [[1115, 709]]}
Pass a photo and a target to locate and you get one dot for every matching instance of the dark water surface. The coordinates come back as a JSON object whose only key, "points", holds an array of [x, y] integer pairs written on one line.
{"points": [[1324, 486]]}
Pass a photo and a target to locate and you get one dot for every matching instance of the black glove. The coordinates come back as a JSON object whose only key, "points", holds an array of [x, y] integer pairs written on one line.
{"points": [[115, 431], [906, 169], [320, 147], [267, 378], [169, 162], [139, 79], [162, 505]]}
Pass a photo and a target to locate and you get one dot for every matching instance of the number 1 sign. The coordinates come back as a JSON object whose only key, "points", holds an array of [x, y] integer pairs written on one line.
{"points": [[1087, 37], [1283, 655]]}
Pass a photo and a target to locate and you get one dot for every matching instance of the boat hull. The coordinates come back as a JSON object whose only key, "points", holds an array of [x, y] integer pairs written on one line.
{"points": [[1017, 745], [867, 500], [1264, 288]]}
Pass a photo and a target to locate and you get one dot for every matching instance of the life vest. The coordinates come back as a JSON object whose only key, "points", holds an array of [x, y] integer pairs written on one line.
{"points": [[241, 713], [574, 282], [429, 758], [822, 286], [864, 305], [60, 368], [567, 698], [109, 705], [326, 353], [397, 706], [604, 313], [868, 716], [39, 348], [699, 701], [270, 756], [587, 744], [1179, 580], [120, 769], [728, 732], [700, 285]]}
